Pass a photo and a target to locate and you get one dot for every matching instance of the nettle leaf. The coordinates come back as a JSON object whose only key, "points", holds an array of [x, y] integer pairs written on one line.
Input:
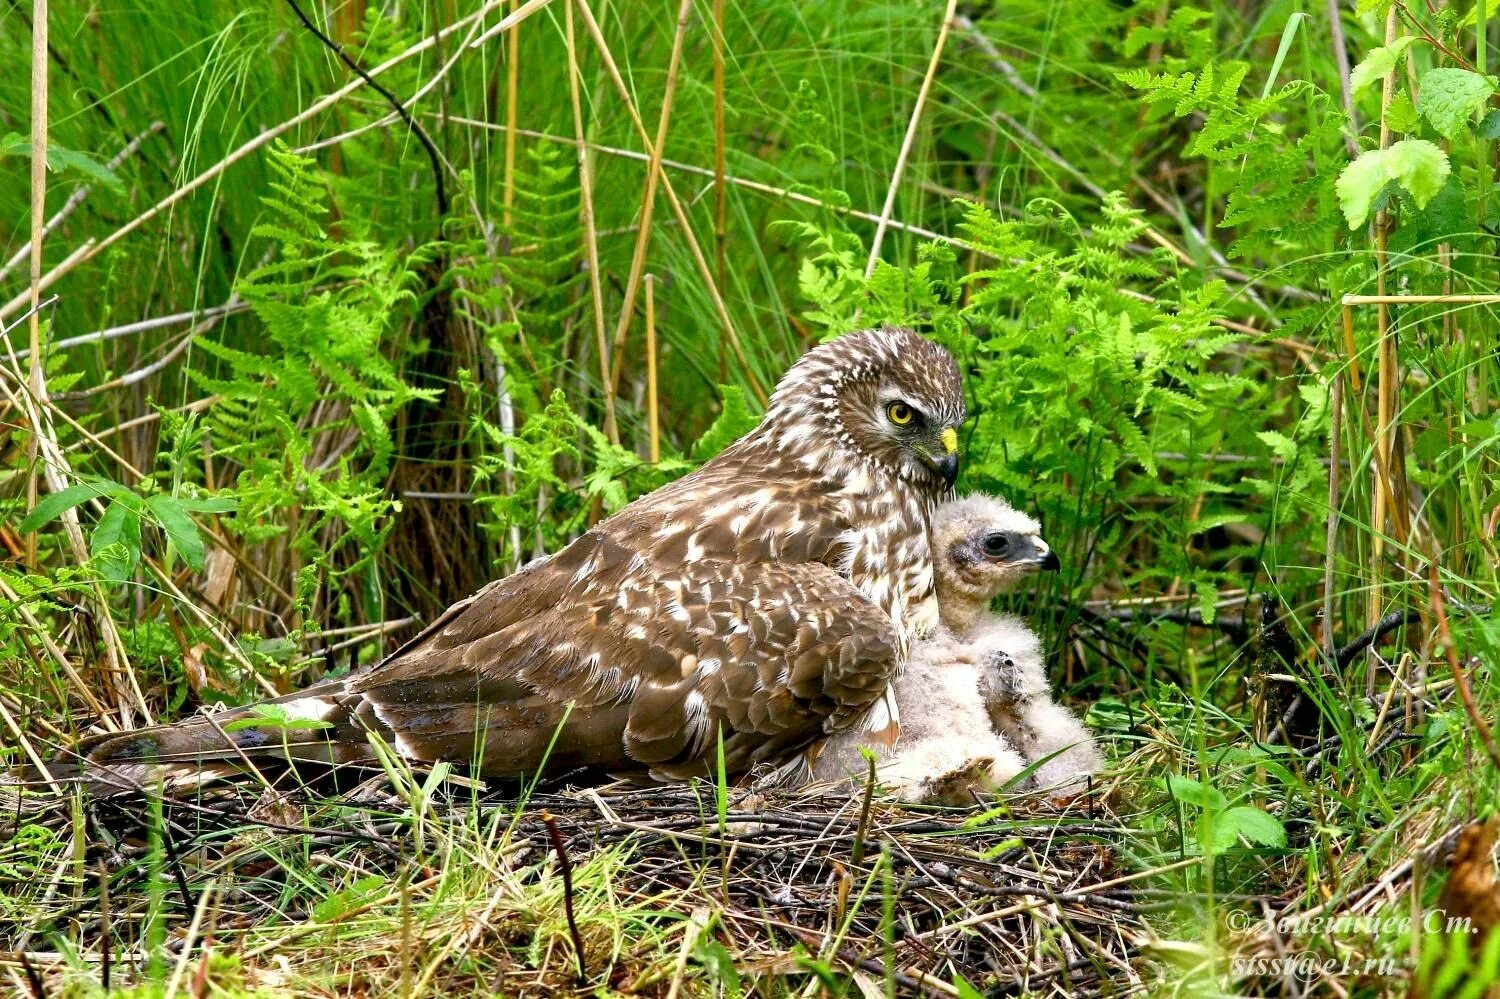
{"points": [[1193, 792], [1419, 166], [1359, 183], [1489, 127], [1449, 97], [1401, 114], [1378, 63]]}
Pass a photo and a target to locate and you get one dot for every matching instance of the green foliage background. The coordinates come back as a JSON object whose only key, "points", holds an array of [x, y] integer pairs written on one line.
{"points": [[1134, 223]]}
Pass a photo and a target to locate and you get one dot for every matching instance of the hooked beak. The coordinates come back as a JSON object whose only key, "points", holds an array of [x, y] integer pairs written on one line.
{"points": [[946, 464], [947, 467], [1043, 557]]}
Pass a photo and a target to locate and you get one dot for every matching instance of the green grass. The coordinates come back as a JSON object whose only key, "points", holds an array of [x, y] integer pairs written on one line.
{"points": [[398, 407]]}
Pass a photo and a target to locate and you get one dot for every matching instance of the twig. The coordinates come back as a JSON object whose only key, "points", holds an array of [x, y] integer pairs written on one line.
{"points": [[910, 137], [699, 261], [143, 326], [590, 235], [1342, 657], [567, 876], [648, 199], [392, 99], [652, 419]]}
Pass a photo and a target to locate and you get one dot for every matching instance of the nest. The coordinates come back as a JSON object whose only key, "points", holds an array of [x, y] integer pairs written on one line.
{"points": [[682, 889]]}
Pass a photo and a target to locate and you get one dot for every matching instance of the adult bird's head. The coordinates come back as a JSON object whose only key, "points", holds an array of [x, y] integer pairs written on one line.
{"points": [[887, 397], [981, 547]]}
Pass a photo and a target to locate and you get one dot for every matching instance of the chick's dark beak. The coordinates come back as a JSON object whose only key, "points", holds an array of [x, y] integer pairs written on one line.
{"points": [[947, 466], [1050, 562]]}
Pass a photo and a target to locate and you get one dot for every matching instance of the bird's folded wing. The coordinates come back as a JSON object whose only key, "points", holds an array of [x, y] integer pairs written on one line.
{"points": [[594, 657], [651, 662]]}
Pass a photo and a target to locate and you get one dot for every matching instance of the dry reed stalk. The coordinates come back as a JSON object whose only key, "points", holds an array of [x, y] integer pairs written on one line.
{"points": [[512, 115], [699, 260], [648, 199], [590, 234], [1386, 372], [652, 419], [721, 190], [911, 136]]}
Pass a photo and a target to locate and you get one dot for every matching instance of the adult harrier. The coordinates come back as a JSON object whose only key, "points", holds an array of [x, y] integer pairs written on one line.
{"points": [[769, 595]]}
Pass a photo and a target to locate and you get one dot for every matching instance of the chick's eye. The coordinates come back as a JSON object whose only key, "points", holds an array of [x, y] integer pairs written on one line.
{"points": [[996, 545], [900, 413]]}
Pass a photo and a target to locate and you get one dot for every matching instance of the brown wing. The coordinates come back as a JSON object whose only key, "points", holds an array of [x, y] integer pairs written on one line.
{"points": [[587, 659], [625, 668]]}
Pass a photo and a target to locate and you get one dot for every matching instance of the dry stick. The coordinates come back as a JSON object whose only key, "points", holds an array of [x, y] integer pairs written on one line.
{"points": [[1386, 386], [721, 190], [651, 414], [648, 200], [694, 247], [143, 326], [397, 106], [44, 452], [590, 237], [567, 876], [512, 115], [38, 226], [1445, 635], [910, 138], [1331, 532], [77, 198], [93, 248]]}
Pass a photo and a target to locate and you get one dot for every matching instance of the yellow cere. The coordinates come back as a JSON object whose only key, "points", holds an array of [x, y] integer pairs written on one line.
{"points": [[950, 440]]}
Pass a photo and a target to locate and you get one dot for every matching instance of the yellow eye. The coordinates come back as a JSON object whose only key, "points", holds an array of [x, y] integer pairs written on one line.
{"points": [[900, 413]]}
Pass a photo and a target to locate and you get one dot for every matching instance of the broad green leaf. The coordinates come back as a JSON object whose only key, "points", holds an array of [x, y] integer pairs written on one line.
{"points": [[1419, 166], [1194, 793], [62, 160], [1448, 98], [1489, 127], [719, 964], [1378, 63], [119, 529], [1217, 833], [965, 990], [52, 506], [1256, 825], [1359, 183], [181, 532]]}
